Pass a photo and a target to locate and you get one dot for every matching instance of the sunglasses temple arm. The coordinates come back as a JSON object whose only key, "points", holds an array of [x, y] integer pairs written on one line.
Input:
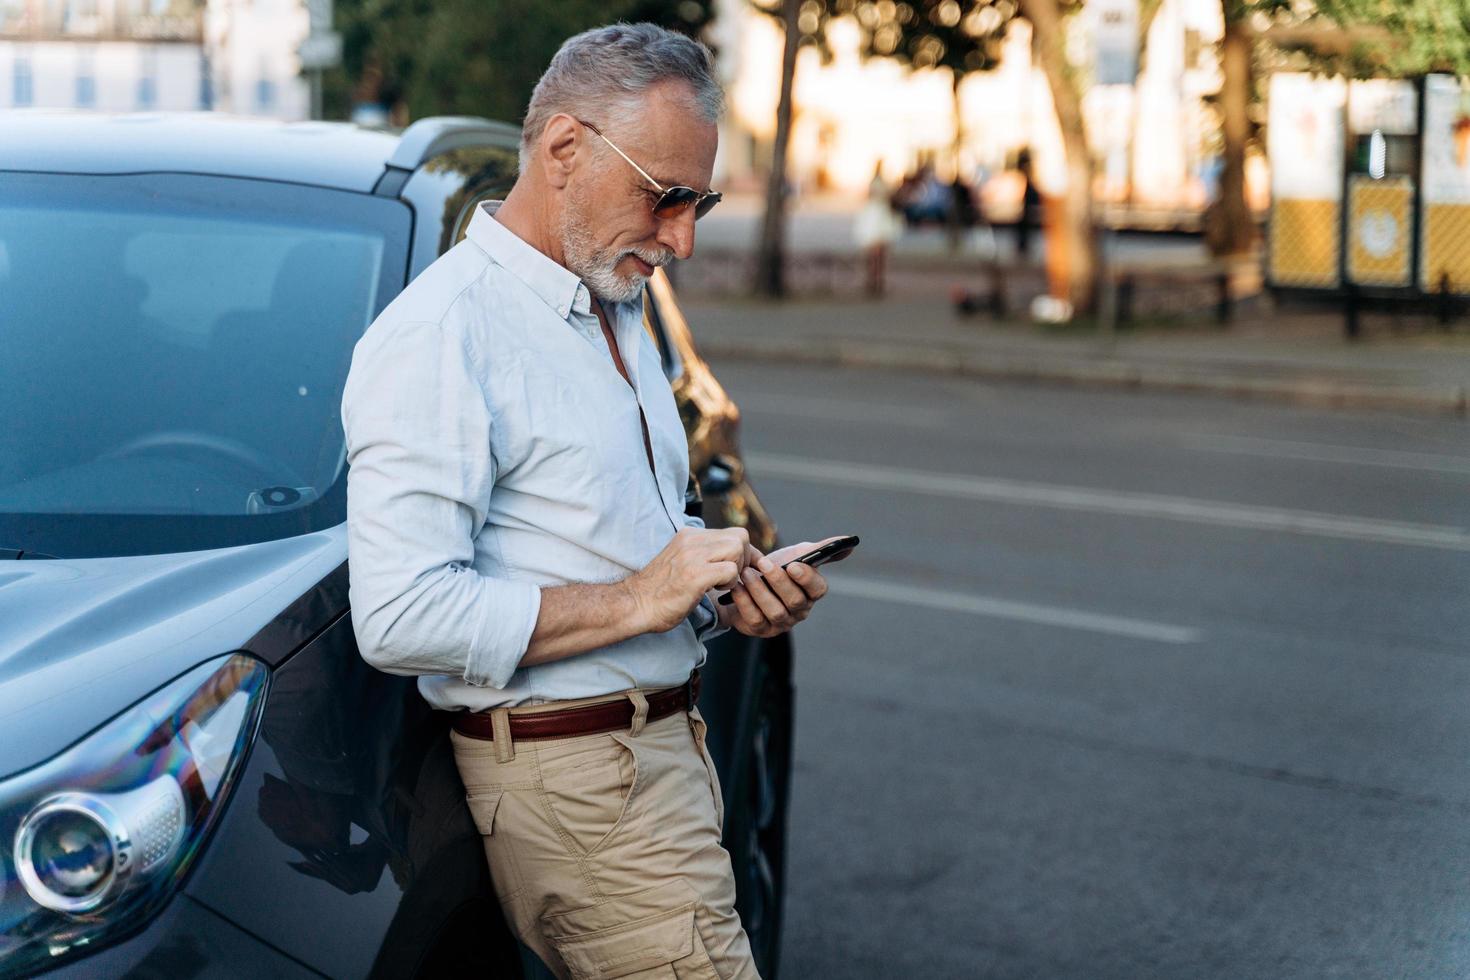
{"points": [[641, 171]]}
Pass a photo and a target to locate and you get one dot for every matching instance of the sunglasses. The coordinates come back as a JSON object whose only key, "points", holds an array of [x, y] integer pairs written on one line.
{"points": [[672, 201]]}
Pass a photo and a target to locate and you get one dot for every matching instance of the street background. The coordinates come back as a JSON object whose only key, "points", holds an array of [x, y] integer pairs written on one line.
{"points": [[1151, 662], [1120, 685], [1131, 337]]}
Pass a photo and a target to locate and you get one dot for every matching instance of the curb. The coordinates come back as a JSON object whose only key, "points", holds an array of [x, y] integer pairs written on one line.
{"points": [[1449, 400]]}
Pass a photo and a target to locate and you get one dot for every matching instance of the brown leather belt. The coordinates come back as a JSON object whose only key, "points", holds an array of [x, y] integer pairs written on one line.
{"points": [[584, 720]]}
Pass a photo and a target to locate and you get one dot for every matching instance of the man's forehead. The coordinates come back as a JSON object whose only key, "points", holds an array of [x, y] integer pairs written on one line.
{"points": [[676, 139]]}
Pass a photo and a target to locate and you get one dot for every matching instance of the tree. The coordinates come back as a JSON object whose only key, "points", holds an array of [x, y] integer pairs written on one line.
{"points": [[1230, 225], [770, 258], [1077, 235], [1372, 37], [470, 57]]}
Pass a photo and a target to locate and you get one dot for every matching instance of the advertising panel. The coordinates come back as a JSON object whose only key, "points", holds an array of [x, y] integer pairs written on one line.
{"points": [[1380, 223], [1305, 144], [1446, 179]]}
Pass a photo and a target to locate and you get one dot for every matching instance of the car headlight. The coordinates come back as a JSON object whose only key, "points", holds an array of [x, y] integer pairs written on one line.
{"points": [[94, 842]]}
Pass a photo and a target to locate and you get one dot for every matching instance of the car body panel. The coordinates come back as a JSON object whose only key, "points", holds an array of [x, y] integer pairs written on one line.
{"points": [[444, 190], [351, 815], [188, 940], [86, 638], [324, 154]]}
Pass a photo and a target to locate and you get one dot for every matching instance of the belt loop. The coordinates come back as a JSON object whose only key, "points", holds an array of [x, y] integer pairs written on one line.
{"points": [[505, 749], [640, 712]]}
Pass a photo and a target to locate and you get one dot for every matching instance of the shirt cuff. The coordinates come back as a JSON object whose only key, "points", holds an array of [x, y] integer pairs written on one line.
{"points": [[508, 613], [706, 620]]}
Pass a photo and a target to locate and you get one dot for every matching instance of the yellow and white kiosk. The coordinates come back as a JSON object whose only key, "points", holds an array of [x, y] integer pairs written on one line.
{"points": [[1370, 188]]}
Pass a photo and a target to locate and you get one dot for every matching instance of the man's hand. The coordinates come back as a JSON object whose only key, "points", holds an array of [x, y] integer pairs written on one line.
{"points": [[694, 562], [770, 600]]}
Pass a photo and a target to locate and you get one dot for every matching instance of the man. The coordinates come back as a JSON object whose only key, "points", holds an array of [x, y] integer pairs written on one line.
{"points": [[516, 531]]}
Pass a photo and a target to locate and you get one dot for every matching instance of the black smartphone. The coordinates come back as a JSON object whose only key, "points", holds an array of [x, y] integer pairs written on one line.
{"points": [[825, 555]]}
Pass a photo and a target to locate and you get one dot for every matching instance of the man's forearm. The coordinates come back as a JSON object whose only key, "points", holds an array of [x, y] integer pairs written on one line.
{"points": [[576, 618]]}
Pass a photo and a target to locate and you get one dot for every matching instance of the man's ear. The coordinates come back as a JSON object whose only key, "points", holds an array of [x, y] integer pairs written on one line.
{"points": [[560, 141]]}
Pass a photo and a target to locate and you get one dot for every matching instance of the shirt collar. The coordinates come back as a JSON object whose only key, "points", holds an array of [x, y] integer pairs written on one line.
{"points": [[558, 287]]}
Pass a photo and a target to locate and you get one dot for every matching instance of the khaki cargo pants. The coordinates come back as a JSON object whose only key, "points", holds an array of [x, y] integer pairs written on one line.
{"points": [[605, 849]]}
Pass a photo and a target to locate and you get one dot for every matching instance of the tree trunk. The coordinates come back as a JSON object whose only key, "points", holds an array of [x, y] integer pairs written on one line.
{"points": [[1230, 227], [770, 261], [1078, 237], [954, 217]]}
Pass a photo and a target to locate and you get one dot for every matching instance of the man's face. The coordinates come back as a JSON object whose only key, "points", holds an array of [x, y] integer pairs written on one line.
{"points": [[610, 236]]}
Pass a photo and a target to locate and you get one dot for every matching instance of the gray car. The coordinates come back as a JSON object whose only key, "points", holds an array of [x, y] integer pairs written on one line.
{"points": [[199, 776]]}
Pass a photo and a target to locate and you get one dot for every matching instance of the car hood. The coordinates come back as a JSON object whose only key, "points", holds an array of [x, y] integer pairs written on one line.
{"points": [[80, 640]]}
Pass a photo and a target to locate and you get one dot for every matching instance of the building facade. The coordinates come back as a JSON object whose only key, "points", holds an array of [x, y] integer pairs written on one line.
{"points": [[235, 56]]}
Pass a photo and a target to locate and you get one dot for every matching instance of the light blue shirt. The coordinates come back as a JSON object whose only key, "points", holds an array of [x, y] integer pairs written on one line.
{"points": [[494, 449]]}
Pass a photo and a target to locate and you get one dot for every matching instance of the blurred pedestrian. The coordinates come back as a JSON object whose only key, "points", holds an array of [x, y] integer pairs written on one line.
{"points": [[1030, 215], [962, 214], [877, 227], [498, 413]]}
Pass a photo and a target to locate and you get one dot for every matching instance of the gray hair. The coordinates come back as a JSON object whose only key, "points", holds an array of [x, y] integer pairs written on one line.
{"points": [[605, 72]]}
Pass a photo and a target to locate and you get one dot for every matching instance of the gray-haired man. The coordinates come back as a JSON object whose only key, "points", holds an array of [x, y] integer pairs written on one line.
{"points": [[516, 529]]}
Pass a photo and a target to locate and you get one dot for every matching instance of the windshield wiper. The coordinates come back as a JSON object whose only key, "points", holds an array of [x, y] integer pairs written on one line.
{"points": [[17, 553]]}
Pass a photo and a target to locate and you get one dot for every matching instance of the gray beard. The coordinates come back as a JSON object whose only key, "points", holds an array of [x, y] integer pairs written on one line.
{"points": [[597, 266]]}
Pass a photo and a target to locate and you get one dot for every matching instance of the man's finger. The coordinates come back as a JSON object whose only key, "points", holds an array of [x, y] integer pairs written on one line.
{"points": [[770, 604], [722, 575], [754, 559], [811, 581], [730, 544], [750, 613], [788, 591]]}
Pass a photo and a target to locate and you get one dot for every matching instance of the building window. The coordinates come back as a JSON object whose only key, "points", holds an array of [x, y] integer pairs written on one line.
{"points": [[23, 86], [265, 95], [86, 81], [148, 79]]}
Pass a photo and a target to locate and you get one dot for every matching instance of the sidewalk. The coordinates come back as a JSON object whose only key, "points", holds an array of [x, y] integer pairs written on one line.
{"points": [[1298, 357]]}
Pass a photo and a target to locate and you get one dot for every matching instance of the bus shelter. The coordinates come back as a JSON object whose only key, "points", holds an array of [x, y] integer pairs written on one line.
{"points": [[1370, 195]]}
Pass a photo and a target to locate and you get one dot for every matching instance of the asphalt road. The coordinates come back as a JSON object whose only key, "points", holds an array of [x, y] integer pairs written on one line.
{"points": [[1121, 685]]}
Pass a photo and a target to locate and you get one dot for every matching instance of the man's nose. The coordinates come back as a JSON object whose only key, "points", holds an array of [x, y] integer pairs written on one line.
{"points": [[677, 233]]}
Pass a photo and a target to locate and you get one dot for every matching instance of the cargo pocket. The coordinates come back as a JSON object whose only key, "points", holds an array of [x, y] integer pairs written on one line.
{"points": [[661, 946]]}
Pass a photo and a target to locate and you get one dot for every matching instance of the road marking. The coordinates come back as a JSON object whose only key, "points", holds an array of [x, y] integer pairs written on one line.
{"points": [[843, 411], [1321, 453], [1026, 612], [1120, 502]]}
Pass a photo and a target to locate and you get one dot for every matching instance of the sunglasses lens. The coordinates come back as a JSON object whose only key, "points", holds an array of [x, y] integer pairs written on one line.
{"points": [[703, 207], [674, 201]]}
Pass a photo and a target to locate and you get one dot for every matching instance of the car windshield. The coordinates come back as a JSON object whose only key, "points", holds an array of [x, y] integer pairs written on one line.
{"points": [[172, 354]]}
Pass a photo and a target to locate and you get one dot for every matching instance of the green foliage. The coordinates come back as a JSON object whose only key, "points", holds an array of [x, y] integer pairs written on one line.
{"points": [[961, 35], [1374, 37], [471, 57]]}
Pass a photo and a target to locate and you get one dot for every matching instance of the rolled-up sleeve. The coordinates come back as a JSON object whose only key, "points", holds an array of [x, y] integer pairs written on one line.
{"points": [[420, 471]]}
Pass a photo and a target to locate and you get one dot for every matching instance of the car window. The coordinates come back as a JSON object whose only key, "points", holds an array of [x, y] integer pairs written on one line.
{"points": [[172, 355], [468, 176]]}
